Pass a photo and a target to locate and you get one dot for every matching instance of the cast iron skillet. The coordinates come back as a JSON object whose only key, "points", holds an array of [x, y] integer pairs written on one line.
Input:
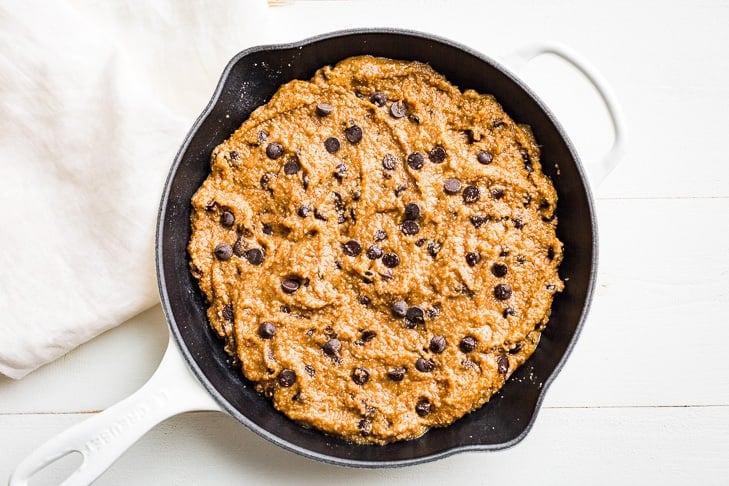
{"points": [[249, 80]]}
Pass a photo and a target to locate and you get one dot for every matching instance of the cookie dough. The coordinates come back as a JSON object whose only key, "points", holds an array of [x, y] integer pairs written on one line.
{"points": [[377, 249]]}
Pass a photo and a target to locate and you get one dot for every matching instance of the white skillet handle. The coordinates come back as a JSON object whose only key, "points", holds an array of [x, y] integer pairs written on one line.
{"points": [[172, 389], [599, 170]]}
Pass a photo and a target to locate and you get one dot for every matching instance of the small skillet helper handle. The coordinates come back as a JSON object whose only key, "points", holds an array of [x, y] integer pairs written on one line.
{"points": [[172, 389], [597, 171]]}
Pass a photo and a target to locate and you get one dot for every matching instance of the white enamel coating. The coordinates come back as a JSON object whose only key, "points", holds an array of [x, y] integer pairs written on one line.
{"points": [[172, 389], [597, 171]]}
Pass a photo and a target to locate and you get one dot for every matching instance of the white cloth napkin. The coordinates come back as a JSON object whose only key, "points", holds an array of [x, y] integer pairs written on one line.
{"points": [[95, 98]]}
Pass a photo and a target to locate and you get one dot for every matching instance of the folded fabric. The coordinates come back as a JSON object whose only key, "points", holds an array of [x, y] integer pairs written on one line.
{"points": [[91, 120]]}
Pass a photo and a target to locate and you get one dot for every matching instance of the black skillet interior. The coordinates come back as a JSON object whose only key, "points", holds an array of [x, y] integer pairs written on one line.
{"points": [[249, 81]]}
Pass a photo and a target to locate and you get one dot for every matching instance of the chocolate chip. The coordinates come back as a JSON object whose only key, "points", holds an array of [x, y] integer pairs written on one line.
{"points": [[473, 257], [341, 172], [499, 269], [434, 311], [416, 160], [374, 252], [353, 134], [434, 248], [267, 330], [262, 136], [503, 363], [502, 291], [356, 195], [227, 219], [267, 229], [399, 308], [466, 291], [437, 154], [234, 155], [471, 194], [388, 162], [550, 287], [319, 216], [290, 284], [518, 224], [484, 157], [360, 376], [509, 311], [303, 211], [497, 193], [423, 407], [210, 206], [378, 98], [412, 211], [410, 228], [380, 235], [477, 220], [424, 365], [467, 344], [399, 190], [527, 160], [414, 118], [352, 248], [309, 370], [228, 312], [338, 201], [368, 336], [254, 256], [332, 347], [387, 275], [550, 253], [324, 109], [398, 109], [438, 344], [365, 426], [390, 260], [274, 150], [420, 242], [223, 251], [397, 374], [415, 315], [291, 166], [452, 186], [364, 300], [286, 378], [332, 145], [497, 123], [516, 348]]}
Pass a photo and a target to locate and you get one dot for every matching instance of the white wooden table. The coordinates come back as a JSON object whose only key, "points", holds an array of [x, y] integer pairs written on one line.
{"points": [[644, 397]]}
